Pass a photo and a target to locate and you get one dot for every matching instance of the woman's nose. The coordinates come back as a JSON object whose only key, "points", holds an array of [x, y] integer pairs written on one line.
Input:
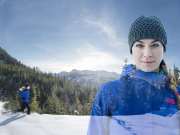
{"points": [[147, 52]]}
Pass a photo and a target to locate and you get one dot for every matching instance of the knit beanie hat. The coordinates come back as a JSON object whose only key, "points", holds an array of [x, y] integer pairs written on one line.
{"points": [[147, 28]]}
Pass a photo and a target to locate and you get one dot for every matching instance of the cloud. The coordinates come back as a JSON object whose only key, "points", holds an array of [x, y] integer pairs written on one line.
{"points": [[106, 29], [94, 59], [86, 58]]}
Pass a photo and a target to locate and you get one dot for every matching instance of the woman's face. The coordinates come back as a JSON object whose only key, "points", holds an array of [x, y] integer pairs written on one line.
{"points": [[147, 54]]}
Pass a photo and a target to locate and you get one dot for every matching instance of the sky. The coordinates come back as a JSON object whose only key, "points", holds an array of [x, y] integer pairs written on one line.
{"points": [[61, 35]]}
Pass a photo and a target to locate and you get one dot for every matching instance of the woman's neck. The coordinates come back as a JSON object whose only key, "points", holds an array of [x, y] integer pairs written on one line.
{"points": [[156, 70]]}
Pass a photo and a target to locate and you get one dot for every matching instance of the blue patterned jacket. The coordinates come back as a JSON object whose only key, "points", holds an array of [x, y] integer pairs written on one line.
{"points": [[135, 92]]}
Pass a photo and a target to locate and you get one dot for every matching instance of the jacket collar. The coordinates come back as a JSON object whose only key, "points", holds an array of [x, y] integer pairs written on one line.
{"points": [[156, 79]]}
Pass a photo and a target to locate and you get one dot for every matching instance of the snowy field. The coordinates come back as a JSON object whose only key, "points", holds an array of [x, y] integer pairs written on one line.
{"points": [[44, 124]]}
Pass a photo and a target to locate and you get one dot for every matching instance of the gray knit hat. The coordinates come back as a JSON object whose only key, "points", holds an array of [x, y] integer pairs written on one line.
{"points": [[147, 27]]}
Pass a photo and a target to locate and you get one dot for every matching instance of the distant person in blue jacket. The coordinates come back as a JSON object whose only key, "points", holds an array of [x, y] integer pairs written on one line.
{"points": [[143, 87], [24, 94]]}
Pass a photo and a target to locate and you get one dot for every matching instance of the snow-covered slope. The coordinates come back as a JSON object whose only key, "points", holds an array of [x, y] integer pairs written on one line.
{"points": [[41, 124], [36, 124], [44, 124]]}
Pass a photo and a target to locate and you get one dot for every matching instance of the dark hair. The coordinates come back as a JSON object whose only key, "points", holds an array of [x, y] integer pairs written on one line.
{"points": [[163, 68], [26, 84]]}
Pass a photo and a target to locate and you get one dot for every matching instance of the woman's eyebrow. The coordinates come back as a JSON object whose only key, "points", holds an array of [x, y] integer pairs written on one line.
{"points": [[140, 41], [150, 43], [154, 41]]}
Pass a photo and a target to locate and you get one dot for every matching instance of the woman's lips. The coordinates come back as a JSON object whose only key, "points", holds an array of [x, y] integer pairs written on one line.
{"points": [[148, 62]]}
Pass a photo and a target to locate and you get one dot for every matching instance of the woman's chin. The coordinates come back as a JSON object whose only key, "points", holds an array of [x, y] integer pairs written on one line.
{"points": [[147, 68]]}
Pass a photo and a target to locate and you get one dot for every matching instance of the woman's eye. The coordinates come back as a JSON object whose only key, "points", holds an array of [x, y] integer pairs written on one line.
{"points": [[139, 45], [155, 45]]}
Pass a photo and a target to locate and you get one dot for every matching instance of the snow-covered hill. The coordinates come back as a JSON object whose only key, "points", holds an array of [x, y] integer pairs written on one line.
{"points": [[44, 124], [41, 124], [36, 124]]}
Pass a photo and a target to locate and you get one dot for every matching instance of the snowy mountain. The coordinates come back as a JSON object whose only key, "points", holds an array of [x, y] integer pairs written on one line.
{"points": [[89, 78]]}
